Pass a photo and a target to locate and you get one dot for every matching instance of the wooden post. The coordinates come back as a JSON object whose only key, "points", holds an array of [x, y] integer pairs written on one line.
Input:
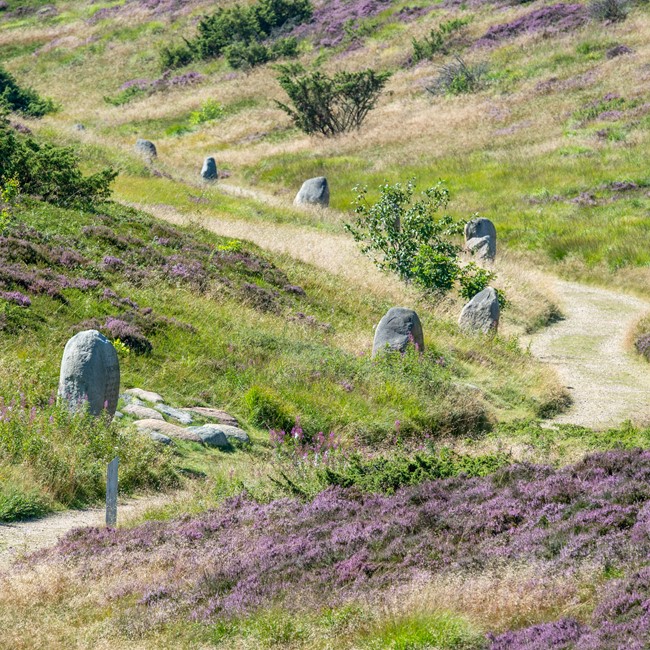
{"points": [[111, 493]]}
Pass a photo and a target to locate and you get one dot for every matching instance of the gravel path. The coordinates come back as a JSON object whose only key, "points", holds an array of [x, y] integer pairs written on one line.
{"points": [[22, 538], [608, 384]]}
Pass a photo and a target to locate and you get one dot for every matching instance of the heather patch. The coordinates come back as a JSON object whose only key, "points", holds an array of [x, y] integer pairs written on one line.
{"points": [[245, 556], [556, 18], [334, 21]]}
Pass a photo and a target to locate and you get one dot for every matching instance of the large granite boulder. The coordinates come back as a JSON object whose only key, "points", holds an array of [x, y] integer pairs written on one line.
{"points": [[213, 414], [481, 238], [142, 412], [398, 328], [314, 191], [146, 148], [209, 169], [90, 373], [481, 313]]}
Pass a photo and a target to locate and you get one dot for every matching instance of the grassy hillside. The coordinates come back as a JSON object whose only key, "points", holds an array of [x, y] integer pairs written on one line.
{"points": [[408, 502], [551, 147]]}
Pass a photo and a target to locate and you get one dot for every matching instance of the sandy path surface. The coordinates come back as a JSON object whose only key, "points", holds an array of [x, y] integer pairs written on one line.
{"points": [[608, 384], [22, 538]]}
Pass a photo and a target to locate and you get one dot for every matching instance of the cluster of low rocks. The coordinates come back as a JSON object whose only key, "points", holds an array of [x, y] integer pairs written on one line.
{"points": [[90, 379]]}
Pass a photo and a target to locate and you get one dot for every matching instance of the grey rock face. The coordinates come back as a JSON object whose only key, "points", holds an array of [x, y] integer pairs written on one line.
{"points": [[398, 328], [211, 435], [477, 229], [213, 414], [142, 412], [209, 169], [139, 394], [161, 438], [90, 373], [182, 416], [481, 247], [314, 191], [146, 148], [481, 313], [234, 433]]}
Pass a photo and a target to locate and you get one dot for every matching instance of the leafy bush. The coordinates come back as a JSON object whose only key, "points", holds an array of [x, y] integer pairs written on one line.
{"points": [[437, 40], [613, 11], [237, 32], [248, 55], [330, 105], [405, 237], [210, 110], [458, 77], [22, 100], [50, 172], [177, 56]]}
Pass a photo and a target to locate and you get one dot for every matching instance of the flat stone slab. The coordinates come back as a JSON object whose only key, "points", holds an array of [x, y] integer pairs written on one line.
{"points": [[234, 433], [182, 416], [146, 395], [142, 412], [167, 429], [213, 414], [212, 435]]}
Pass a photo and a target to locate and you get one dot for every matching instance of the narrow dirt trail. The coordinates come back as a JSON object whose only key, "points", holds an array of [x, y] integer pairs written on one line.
{"points": [[607, 383], [22, 538]]}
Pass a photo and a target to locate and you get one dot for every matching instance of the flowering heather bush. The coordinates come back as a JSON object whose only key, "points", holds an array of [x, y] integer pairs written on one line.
{"points": [[128, 333], [16, 297], [245, 555], [333, 20], [554, 18]]}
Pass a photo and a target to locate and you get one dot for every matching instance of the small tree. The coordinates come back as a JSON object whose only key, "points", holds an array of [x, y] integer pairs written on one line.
{"points": [[407, 237], [330, 105]]}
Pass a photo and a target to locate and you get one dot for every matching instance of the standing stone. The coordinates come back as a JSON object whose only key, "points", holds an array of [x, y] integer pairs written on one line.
{"points": [[315, 191], [209, 169], [476, 231], [146, 148], [398, 328], [481, 313], [90, 373]]}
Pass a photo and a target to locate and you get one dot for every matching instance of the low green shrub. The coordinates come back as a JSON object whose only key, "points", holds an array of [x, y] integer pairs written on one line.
{"points": [[49, 172], [386, 474], [239, 32], [210, 110], [23, 100], [438, 39], [612, 11]]}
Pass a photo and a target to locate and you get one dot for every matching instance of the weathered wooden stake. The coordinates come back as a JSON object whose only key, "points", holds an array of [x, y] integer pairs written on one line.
{"points": [[111, 493]]}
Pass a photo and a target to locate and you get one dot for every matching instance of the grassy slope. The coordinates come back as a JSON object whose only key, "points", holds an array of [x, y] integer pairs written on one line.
{"points": [[518, 152]]}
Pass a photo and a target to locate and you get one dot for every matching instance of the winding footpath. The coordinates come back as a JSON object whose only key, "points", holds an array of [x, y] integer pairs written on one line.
{"points": [[608, 383]]}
